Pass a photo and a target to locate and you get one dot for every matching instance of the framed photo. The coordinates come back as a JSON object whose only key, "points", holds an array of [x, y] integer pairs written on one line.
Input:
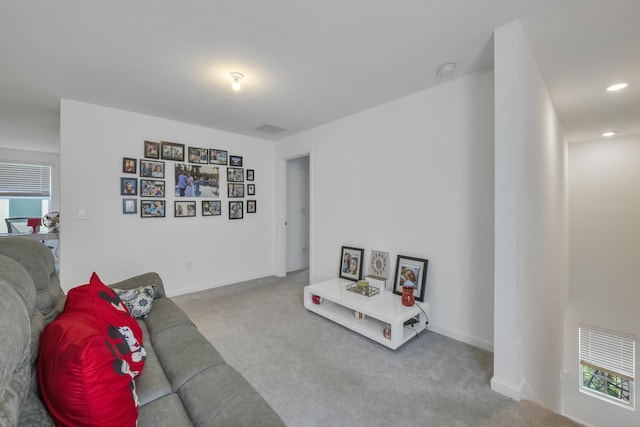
{"points": [[152, 150], [183, 209], [151, 188], [251, 189], [351, 263], [197, 180], [129, 186], [211, 208], [152, 208], [235, 175], [235, 161], [150, 169], [251, 206], [235, 190], [235, 210], [129, 206], [250, 174], [411, 272], [129, 165], [217, 157], [198, 155], [172, 151]]}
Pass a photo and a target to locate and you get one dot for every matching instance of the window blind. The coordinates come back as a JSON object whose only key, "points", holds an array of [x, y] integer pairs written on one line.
{"points": [[609, 351], [25, 180]]}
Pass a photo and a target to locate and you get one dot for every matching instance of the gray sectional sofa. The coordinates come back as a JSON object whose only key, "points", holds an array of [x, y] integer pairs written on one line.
{"points": [[185, 380]]}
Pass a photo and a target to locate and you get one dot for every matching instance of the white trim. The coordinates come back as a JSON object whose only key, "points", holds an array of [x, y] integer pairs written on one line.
{"points": [[476, 342], [498, 386]]}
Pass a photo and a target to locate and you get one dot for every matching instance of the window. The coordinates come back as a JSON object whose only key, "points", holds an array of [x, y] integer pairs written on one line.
{"points": [[25, 191], [607, 364]]}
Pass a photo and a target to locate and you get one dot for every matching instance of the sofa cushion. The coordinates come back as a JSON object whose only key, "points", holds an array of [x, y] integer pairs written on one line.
{"points": [[138, 301]]}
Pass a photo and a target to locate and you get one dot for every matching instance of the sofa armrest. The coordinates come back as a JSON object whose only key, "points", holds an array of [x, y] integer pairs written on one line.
{"points": [[145, 279]]}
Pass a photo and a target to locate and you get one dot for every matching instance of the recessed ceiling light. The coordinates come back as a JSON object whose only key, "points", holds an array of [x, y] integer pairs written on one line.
{"points": [[617, 86], [609, 133]]}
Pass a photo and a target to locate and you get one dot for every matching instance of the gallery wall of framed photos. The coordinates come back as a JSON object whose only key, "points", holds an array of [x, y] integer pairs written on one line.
{"points": [[196, 178]]}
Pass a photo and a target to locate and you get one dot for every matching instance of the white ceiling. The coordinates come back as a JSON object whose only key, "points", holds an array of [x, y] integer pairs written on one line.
{"points": [[306, 62]]}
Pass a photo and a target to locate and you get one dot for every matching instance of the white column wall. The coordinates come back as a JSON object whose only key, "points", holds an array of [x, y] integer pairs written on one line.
{"points": [[189, 253], [531, 227], [413, 177]]}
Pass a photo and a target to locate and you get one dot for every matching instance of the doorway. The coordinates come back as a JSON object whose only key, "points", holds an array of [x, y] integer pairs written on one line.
{"points": [[297, 223]]}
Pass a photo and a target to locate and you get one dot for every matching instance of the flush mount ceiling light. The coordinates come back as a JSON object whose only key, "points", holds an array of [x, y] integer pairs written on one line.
{"points": [[617, 87], [236, 80], [446, 70], [608, 133]]}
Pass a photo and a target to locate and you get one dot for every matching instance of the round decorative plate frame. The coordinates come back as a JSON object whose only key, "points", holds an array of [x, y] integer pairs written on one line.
{"points": [[379, 263]]}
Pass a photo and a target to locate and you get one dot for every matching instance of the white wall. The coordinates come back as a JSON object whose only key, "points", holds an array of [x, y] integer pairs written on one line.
{"points": [[604, 212], [297, 213], [189, 253], [531, 227], [413, 177]]}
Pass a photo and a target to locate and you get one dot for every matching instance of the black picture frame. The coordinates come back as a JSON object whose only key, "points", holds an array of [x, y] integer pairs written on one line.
{"points": [[211, 208], [218, 157], [128, 186], [152, 208], [184, 208], [235, 175], [171, 151], [251, 189], [250, 174], [347, 270], [198, 155], [235, 190], [129, 206], [152, 188], [413, 270], [129, 165], [235, 161], [151, 150], [252, 206], [236, 210], [151, 169]]}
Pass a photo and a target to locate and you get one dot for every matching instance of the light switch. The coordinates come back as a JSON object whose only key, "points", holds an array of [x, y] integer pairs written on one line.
{"points": [[82, 213]]}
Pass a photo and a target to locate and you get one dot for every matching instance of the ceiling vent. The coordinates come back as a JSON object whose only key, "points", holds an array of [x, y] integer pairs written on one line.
{"points": [[270, 129]]}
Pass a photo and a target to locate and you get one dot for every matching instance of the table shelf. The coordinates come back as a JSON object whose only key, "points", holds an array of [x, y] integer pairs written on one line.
{"points": [[380, 310]]}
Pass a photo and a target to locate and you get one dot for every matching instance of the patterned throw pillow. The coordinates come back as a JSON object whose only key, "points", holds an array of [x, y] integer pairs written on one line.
{"points": [[138, 301]]}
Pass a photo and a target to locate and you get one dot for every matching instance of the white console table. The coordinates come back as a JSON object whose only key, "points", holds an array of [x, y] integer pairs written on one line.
{"points": [[380, 310]]}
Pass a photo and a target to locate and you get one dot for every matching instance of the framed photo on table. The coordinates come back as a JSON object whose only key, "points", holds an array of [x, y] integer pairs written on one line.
{"points": [[411, 272], [351, 263]]}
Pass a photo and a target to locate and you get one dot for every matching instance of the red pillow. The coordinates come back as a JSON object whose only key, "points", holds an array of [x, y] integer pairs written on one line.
{"points": [[123, 330], [88, 358]]}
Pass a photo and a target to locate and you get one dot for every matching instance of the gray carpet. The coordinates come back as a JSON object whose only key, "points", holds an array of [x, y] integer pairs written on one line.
{"points": [[314, 372]]}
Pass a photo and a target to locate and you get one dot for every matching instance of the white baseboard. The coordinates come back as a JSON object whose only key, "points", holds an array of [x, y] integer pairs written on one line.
{"points": [[204, 287], [504, 389], [485, 345]]}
